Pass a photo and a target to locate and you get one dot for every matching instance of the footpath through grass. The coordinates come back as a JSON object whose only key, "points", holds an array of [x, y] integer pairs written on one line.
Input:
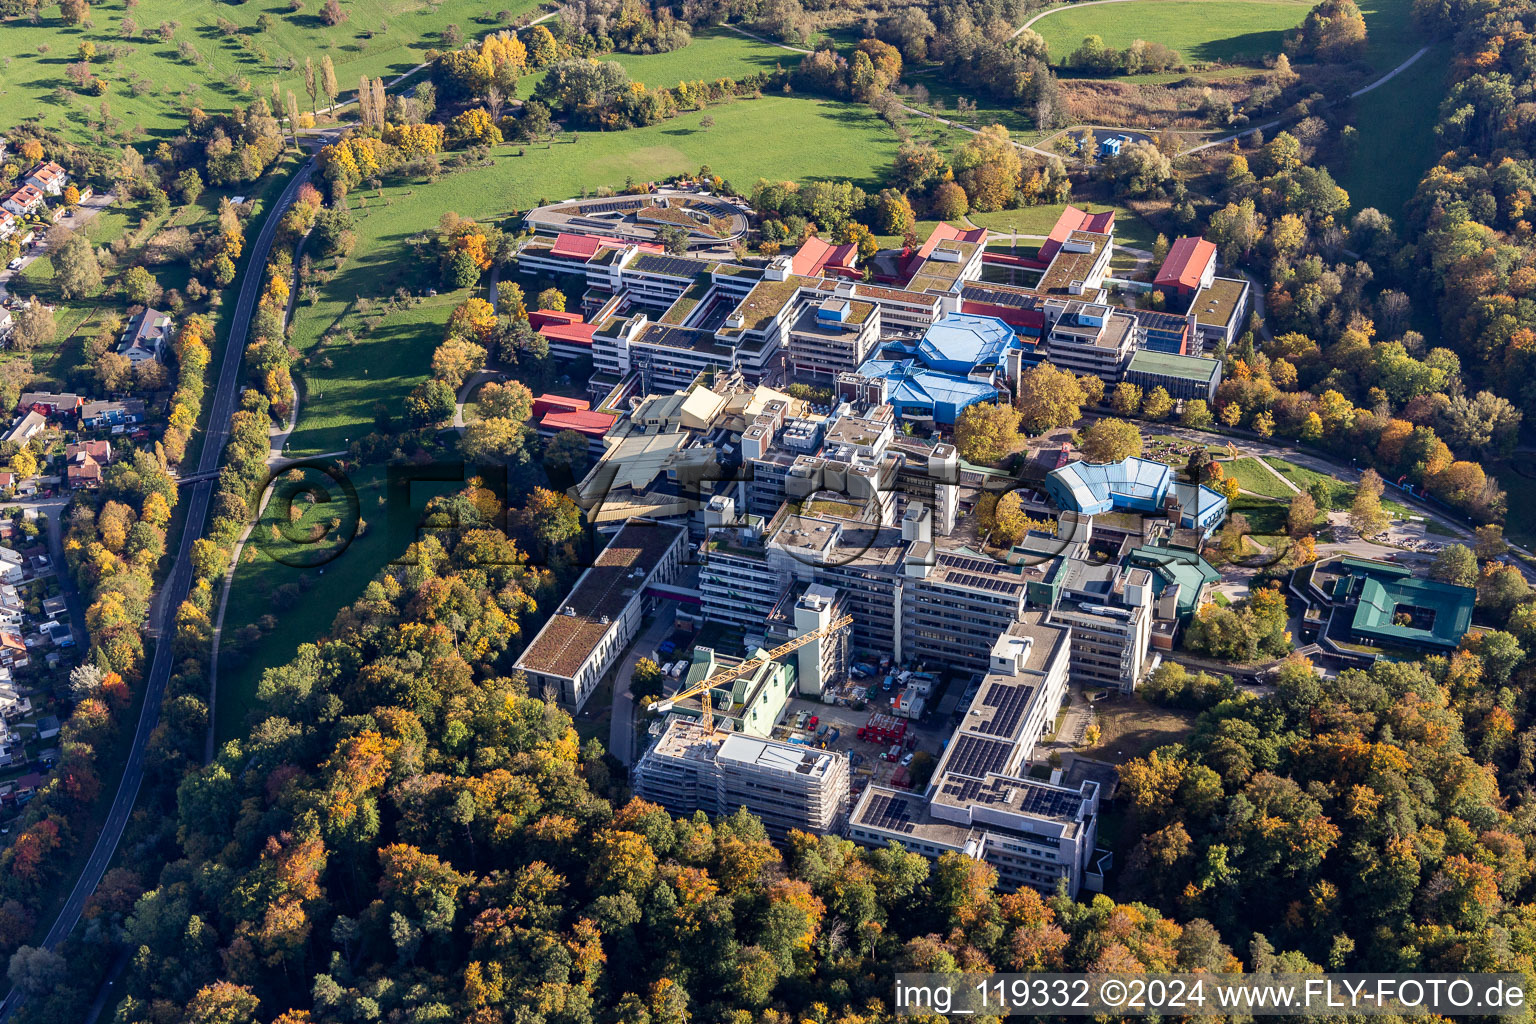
{"points": [[1252, 476], [232, 53], [1397, 136]]}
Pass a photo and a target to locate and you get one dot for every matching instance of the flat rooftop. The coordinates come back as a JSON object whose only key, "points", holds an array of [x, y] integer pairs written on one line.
{"points": [[1068, 266], [1170, 364], [568, 639], [1216, 305]]}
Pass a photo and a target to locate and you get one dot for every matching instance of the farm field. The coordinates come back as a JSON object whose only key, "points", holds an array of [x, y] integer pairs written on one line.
{"points": [[150, 81], [1210, 30]]}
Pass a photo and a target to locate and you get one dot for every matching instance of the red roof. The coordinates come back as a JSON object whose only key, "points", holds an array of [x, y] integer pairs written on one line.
{"points": [[557, 403], [583, 421], [1188, 259], [945, 232], [582, 247], [575, 334], [1072, 219], [541, 317]]}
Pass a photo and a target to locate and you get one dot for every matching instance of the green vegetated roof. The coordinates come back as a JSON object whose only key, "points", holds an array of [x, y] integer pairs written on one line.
{"points": [[1171, 364]]}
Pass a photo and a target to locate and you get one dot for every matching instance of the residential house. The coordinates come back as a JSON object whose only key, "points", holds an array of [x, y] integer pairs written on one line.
{"points": [[13, 650], [85, 461], [7, 224], [7, 480], [13, 609], [50, 404], [12, 704], [48, 727], [12, 566], [112, 413], [25, 201], [26, 428], [48, 178], [7, 324], [146, 336], [53, 607]]}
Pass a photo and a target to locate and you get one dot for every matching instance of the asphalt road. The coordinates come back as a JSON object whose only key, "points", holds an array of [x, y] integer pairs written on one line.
{"points": [[196, 498]]}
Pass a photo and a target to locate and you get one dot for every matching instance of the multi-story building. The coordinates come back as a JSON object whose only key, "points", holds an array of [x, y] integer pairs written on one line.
{"points": [[787, 786], [1088, 337], [597, 621], [1109, 610], [1183, 377], [832, 336], [981, 802]]}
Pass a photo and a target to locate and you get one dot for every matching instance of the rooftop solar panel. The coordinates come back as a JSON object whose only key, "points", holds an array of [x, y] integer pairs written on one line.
{"points": [[892, 813], [976, 756], [1010, 702], [655, 263]]}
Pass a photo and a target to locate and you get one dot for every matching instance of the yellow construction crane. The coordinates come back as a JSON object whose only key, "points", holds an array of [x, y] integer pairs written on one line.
{"points": [[745, 668]]}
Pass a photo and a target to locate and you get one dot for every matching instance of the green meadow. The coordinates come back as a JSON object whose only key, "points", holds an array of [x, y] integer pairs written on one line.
{"points": [[218, 56]]}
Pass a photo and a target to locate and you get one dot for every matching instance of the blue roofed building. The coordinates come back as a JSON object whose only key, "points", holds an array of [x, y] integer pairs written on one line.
{"points": [[968, 345], [921, 395], [1134, 485]]}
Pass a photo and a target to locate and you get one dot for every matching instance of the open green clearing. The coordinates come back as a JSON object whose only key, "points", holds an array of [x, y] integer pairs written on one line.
{"points": [[713, 53], [150, 82], [1397, 139], [1130, 229], [323, 589], [1210, 30], [1266, 516], [1251, 476], [1519, 484]]}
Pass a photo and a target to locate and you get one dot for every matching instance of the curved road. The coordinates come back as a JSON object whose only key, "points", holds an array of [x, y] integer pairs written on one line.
{"points": [[179, 581]]}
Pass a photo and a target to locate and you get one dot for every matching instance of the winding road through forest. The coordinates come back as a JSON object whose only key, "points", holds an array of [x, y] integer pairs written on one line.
{"points": [[196, 498]]}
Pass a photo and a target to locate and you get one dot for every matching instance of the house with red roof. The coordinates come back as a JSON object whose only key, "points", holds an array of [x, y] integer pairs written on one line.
{"points": [[47, 177], [24, 201], [1190, 266]]}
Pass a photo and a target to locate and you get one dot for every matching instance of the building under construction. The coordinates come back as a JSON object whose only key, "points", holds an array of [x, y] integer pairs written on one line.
{"points": [[789, 786]]}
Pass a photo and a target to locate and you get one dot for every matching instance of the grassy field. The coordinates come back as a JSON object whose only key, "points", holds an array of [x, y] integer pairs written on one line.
{"points": [[1211, 30], [378, 364], [150, 82], [1520, 486], [1266, 517], [1251, 476], [1397, 136], [1038, 220], [714, 53], [324, 590]]}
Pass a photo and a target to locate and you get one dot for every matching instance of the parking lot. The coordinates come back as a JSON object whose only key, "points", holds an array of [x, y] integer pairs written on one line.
{"points": [[927, 736]]}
